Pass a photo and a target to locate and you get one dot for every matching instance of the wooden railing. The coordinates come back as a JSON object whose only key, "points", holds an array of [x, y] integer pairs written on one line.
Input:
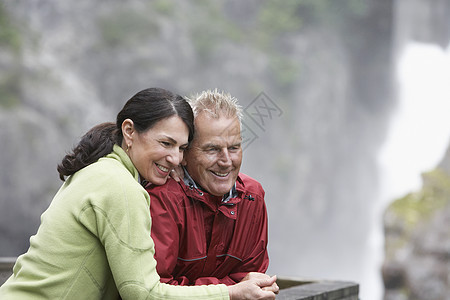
{"points": [[6, 265], [290, 288], [300, 289]]}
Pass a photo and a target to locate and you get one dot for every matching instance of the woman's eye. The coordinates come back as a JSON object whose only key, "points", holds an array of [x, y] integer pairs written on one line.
{"points": [[165, 144]]}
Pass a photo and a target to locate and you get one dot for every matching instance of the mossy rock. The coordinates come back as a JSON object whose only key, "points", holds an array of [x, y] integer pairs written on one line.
{"points": [[420, 206]]}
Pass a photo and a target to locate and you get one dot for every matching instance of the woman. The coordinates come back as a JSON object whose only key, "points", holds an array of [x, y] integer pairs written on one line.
{"points": [[94, 239]]}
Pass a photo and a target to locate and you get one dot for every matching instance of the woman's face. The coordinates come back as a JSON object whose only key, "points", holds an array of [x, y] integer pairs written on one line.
{"points": [[158, 150]]}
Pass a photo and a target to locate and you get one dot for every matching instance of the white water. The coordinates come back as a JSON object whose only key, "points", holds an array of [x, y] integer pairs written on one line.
{"points": [[417, 140]]}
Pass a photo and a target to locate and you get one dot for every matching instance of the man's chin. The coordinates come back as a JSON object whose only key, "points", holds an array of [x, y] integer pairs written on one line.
{"points": [[220, 191]]}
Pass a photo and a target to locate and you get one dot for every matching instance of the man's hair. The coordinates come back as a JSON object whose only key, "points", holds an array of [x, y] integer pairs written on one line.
{"points": [[216, 103]]}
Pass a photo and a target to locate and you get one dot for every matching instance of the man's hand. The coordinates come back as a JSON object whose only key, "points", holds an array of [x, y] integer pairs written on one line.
{"points": [[256, 275], [254, 288]]}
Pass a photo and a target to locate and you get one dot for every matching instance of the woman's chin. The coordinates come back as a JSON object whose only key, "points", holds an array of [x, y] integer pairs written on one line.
{"points": [[159, 180]]}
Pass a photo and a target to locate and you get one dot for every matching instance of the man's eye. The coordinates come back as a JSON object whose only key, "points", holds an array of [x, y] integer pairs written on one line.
{"points": [[165, 144]]}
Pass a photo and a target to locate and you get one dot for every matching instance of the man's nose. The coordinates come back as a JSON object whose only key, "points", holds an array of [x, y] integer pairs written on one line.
{"points": [[225, 158]]}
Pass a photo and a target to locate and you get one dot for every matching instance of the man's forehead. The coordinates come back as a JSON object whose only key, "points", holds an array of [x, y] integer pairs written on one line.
{"points": [[219, 141], [222, 127]]}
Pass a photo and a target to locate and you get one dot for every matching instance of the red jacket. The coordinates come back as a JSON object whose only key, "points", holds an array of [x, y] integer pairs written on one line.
{"points": [[201, 240]]}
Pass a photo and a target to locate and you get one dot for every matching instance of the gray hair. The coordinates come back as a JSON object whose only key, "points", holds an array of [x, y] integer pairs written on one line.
{"points": [[216, 103]]}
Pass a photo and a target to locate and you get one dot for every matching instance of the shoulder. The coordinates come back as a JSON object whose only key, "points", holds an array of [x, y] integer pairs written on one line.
{"points": [[252, 204], [114, 173], [107, 180], [250, 184], [171, 192], [171, 186], [252, 193]]}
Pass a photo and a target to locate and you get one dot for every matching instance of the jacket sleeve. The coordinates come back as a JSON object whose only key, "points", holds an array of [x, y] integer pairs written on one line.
{"points": [[165, 234], [227, 280], [122, 224]]}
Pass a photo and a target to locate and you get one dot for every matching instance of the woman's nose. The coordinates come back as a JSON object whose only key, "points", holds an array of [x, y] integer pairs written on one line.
{"points": [[175, 157]]}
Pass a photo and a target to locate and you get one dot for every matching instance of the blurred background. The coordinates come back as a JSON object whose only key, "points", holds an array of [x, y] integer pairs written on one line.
{"points": [[346, 123]]}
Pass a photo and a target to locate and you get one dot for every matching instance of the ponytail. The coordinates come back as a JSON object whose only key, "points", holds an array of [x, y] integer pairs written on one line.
{"points": [[96, 143]]}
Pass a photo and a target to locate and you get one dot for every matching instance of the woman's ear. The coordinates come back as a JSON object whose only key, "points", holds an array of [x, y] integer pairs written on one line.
{"points": [[127, 132]]}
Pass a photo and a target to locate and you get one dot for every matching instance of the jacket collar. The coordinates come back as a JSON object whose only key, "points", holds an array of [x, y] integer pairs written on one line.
{"points": [[233, 193], [120, 155]]}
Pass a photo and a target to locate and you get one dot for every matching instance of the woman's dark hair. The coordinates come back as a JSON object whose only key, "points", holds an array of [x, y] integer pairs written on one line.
{"points": [[145, 109]]}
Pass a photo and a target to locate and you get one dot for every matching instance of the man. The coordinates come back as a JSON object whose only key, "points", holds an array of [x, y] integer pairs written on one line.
{"points": [[210, 227]]}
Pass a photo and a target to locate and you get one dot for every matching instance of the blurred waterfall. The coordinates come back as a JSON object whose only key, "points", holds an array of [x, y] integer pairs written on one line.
{"points": [[418, 137], [420, 131]]}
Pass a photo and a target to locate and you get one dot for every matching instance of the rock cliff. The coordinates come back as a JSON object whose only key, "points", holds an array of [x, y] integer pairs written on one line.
{"points": [[417, 240]]}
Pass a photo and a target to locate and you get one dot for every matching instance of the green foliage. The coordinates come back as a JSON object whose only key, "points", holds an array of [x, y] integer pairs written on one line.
{"points": [[10, 42], [210, 26], [9, 35], [338, 8], [277, 19], [419, 206], [282, 17], [284, 70], [164, 7], [9, 91], [127, 27], [209, 30]]}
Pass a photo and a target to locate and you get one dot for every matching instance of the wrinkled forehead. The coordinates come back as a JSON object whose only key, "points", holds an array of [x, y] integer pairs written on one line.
{"points": [[218, 129]]}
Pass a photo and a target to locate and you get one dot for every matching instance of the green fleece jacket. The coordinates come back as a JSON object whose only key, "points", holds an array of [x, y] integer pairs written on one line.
{"points": [[94, 242]]}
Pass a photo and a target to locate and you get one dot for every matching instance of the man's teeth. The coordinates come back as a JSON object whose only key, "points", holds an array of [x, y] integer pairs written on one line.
{"points": [[164, 169], [221, 174]]}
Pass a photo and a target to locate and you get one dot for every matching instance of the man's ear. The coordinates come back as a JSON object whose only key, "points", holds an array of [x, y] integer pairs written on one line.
{"points": [[127, 132]]}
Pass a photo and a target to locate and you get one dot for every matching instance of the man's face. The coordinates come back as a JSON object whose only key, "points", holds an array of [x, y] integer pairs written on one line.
{"points": [[215, 155]]}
